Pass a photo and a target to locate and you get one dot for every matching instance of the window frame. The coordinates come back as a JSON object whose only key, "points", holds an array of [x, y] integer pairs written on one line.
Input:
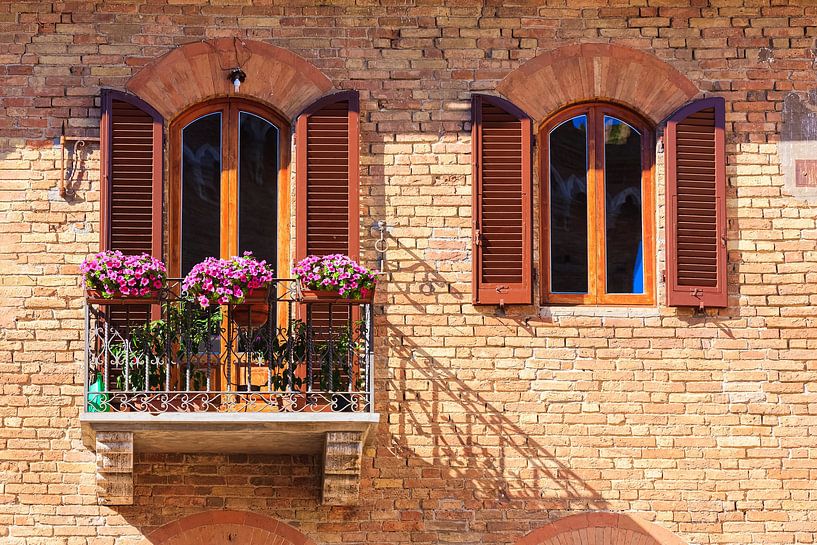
{"points": [[230, 109], [596, 247]]}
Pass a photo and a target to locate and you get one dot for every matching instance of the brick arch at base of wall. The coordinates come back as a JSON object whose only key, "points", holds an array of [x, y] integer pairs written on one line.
{"points": [[226, 528], [576, 73], [600, 528], [199, 71]]}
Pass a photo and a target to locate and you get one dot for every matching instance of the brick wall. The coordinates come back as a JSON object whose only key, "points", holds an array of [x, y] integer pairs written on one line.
{"points": [[492, 425]]}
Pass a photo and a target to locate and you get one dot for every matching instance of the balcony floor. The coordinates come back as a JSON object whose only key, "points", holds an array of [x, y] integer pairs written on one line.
{"points": [[228, 433]]}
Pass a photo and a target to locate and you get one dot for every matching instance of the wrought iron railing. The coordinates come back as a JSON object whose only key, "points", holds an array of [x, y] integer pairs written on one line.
{"points": [[274, 353]]}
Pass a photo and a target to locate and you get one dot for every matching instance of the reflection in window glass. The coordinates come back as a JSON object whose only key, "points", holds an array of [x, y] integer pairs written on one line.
{"points": [[568, 206], [201, 190], [622, 194], [257, 187]]}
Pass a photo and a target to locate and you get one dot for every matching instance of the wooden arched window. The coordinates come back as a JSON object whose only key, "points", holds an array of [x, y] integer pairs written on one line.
{"points": [[597, 243], [229, 184]]}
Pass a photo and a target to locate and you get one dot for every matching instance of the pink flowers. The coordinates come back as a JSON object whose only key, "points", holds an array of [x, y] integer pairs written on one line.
{"points": [[114, 273], [335, 272], [211, 282], [227, 281]]}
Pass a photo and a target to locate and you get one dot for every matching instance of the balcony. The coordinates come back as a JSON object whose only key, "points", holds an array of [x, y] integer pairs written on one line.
{"points": [[275, 375]]}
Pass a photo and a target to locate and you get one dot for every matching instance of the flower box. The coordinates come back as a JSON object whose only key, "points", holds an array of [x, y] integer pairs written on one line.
{"points": [[112, 275], [328, 296], [228, 281], [334, 278], [95, 297]]}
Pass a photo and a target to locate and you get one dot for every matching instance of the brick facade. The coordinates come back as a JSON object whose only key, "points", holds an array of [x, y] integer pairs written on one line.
{"points": [[495, 423]]}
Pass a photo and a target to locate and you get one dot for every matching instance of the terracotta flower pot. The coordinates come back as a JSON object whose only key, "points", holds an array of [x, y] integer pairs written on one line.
{"points": [[254, 311]]}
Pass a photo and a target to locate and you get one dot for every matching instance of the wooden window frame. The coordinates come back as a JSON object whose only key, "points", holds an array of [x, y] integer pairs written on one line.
{"points": [[596, 263], [229, 109]]}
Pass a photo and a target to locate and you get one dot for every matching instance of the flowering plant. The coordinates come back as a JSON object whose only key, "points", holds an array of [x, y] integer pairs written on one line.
{"points": [[114, 273], [227, 281], [335, 272]]}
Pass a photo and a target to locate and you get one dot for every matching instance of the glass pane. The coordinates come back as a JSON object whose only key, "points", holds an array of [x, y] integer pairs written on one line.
{"points": [[568, 206], [622, 195], [201, 190], [257, 187]]}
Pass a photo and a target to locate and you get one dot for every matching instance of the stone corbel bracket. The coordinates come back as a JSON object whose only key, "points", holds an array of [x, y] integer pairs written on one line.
{"points": [[114, 468], [338, 437], [342, 460], [343, 455]]}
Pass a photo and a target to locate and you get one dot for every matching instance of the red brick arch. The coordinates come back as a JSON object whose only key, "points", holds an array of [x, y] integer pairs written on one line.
{"points": [[601, 528], [198, 71], [577, 73], [227, 528]]}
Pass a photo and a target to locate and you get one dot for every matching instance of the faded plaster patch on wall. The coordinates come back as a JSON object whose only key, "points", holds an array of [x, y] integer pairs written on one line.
{"points": [[798, 146]]}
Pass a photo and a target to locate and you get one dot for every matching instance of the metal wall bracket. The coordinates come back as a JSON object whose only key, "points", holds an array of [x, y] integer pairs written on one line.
{"points": [[381, 244], [67, 190]]}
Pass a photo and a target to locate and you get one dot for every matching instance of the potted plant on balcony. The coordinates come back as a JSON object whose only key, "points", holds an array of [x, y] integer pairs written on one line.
{"points": [[280, 353], [288, 352], [146, 348], [334, 277], [335, 389], [166, 364], [150, 357], [241, 282], [340, 380], [112, 274]]}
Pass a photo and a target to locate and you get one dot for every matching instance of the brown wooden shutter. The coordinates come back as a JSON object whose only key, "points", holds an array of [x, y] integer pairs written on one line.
{"points": [[131, 159], [502, 209], [328, 195], [328, 177], [696, 205]]}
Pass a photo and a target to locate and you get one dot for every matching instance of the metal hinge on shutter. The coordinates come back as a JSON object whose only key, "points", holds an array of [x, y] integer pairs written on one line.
{"points": [[698, 293]]}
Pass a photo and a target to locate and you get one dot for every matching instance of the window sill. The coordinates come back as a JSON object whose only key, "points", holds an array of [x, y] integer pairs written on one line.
{"points": [[592, 311]]}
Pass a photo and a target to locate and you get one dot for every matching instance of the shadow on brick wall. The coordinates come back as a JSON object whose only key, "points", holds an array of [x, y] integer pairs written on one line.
{"points": [[447, 423]]}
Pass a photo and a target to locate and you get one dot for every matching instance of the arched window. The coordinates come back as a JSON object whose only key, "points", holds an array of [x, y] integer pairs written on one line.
{"points": [[597, 216], [229, 184]]}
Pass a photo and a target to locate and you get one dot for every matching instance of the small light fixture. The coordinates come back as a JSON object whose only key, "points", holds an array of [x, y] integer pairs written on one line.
{"points": [[237, 76]]}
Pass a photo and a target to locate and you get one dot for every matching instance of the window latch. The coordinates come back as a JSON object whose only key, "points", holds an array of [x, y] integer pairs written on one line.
{"points": [[477, 237]]}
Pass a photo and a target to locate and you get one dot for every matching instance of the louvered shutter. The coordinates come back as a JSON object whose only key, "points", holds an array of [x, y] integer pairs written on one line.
{"points": [[327, 166], [131, 159], [502, 209], [696, 205], [328, 195]]}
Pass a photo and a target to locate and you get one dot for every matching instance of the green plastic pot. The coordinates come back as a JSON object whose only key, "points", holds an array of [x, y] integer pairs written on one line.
{"points": [[97, 403]]}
